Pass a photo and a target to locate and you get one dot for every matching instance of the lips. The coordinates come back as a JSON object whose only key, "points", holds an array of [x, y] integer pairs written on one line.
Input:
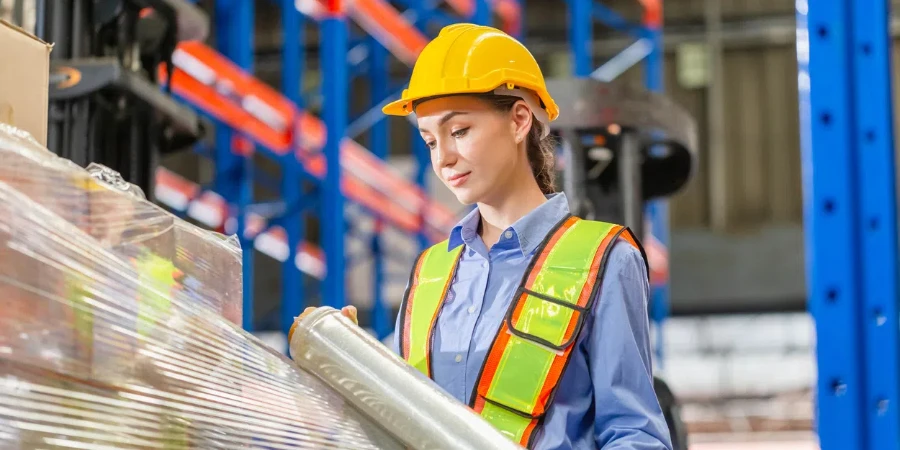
{"points": [[458, 179]]}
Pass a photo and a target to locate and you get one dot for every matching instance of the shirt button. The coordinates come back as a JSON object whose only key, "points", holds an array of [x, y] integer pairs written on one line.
{"points": [[484, 264], [471, 309], [458, 358], [508, 234]]}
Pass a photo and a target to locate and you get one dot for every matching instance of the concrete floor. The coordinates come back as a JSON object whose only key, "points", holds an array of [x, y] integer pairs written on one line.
{"points": [[755, 441]]}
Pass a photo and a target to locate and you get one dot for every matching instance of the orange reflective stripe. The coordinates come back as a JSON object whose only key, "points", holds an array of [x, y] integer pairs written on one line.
{"points": [[414, 282]]}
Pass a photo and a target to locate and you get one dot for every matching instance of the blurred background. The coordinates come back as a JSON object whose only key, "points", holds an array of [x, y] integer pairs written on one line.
{"points": [[692, 136]]}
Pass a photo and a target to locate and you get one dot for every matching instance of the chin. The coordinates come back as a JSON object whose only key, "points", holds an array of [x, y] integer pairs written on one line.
{"points": [[465, 196]]}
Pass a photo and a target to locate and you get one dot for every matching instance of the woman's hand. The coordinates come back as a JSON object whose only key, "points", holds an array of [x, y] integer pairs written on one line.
{"points": [[348, 312]]}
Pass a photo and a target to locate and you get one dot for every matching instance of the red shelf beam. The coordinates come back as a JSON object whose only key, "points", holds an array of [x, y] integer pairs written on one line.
{"points": [[213, 84]]}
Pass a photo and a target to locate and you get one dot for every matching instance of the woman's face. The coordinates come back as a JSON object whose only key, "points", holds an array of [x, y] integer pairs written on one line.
{"points": [[474, 147]]}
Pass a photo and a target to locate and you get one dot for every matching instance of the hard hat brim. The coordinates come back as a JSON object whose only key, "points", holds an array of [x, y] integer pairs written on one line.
{"points": [[404, 106], [397, 108]]}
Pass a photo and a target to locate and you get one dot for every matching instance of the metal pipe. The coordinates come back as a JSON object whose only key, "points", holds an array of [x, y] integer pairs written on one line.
{"points": [[629, 168], [385, 388], [574, 183], [715, 118]]}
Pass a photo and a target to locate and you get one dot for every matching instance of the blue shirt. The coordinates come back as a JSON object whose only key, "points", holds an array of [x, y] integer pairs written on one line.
{"points": [[605, 399]]}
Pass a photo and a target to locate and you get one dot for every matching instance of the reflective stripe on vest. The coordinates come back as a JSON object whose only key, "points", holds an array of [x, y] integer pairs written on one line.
{"points": [[529, 354], [428, 285]]}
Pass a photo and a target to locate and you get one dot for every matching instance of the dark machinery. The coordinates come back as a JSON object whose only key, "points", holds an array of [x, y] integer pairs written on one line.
{"points": [[624, 146], [105, 103]]}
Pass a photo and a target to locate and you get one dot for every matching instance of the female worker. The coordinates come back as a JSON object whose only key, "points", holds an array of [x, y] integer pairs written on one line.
{"points": [[536, 319]]}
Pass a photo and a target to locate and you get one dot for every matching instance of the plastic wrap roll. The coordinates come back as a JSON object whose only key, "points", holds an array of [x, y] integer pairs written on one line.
{"points": [[366, 373]]}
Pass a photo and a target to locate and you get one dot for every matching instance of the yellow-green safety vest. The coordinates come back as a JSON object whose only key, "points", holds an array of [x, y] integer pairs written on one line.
{"points": [[526, 360]]}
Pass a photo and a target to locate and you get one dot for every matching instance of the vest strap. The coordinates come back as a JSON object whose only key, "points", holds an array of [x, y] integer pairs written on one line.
{"points": [[532, 348], [428, 286]]}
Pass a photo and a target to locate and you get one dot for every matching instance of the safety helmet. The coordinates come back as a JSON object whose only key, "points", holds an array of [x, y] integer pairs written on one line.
{"points": [[472, 59]]}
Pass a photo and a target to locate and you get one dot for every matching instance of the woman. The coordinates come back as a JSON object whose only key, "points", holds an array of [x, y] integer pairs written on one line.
{"points": [[508, 314]]}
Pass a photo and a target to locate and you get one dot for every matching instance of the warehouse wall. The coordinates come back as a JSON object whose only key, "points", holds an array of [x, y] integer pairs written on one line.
{"points": [[761, 140]]}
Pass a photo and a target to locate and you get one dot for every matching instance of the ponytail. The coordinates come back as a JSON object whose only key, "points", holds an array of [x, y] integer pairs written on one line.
{"points": [[539, 149]]}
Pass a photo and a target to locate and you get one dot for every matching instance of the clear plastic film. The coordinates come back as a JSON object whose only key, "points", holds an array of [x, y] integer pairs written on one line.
{"points": [[117, 215], [105, 343]]}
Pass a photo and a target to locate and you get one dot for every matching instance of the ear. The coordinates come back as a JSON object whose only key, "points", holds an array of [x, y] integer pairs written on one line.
{"points": [[521, 116]]}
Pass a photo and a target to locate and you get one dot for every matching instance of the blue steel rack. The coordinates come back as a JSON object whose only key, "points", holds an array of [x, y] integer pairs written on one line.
{"points": [[647, 48], [844, 60], [235, 175]]}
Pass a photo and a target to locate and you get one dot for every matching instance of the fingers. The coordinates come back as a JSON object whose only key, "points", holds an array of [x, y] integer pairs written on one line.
{"points": [[351, 313], [348, 311], [297, 319]]}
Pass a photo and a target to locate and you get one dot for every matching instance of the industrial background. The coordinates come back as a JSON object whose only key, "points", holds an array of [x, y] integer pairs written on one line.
{"points": [[735, 340]]}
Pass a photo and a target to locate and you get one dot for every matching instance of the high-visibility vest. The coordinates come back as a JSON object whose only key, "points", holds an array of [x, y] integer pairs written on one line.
{"points": [[522, 370]]}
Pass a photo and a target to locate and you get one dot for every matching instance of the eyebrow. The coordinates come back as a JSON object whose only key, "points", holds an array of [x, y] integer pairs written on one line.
{"points": [[449, 116]]}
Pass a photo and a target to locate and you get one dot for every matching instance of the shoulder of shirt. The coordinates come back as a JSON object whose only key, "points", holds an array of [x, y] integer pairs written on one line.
{"points": [[625, 260]]}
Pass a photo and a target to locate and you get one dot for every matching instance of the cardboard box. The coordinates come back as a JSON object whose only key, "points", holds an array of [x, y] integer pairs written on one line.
{"points": [[24, 80]]}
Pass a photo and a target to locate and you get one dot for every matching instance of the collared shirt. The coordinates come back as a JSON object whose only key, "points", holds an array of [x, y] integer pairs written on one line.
{"points": [[605, 398]]}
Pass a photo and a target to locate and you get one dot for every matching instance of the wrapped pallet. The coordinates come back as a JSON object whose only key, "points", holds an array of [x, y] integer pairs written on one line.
{"points": [[101, 347], [119, 217]]}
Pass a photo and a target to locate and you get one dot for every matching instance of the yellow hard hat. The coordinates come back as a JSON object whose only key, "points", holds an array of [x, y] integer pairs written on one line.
{"points": [[468, 59]]}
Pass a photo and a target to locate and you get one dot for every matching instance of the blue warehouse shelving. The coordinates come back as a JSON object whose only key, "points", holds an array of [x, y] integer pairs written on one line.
{"points": [[844, 60], [251, 121]]}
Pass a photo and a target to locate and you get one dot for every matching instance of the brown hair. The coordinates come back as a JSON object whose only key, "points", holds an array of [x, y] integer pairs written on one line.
{"points": [[539, 149]]}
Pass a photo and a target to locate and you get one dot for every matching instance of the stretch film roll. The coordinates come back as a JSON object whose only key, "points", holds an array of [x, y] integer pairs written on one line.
{"points": [[390, 392]]}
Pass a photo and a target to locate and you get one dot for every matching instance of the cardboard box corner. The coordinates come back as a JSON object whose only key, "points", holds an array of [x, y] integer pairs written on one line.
{"points": [[24, 91]]}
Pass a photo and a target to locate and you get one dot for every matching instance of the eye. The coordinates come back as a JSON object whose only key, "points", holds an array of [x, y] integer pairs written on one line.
{"points": [[430, 144], [460, 133]]}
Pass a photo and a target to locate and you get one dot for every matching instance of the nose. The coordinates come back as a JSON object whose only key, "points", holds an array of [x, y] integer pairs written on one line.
{"points": [[443, 154]]}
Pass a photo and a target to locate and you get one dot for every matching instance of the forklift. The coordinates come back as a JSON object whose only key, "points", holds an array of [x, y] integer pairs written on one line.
{"points": [[106, 104], [622, 146]]}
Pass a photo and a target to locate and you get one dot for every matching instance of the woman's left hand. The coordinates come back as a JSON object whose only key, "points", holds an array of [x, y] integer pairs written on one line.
{"points": [[349, 312]]}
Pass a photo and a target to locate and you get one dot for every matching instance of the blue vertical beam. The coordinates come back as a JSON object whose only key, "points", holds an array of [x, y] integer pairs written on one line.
{"points": [[830, 219], [870, 50], [292, 292], [242, 40], [657, 211], [421, 154], [334, 76], [379, 140], [234, 174], [379, 91], [226, 161], [482, 13], [581, 36]]}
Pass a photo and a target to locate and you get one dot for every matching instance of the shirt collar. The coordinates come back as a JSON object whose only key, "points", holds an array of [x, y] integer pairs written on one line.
{"points": [[530, 230]]}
